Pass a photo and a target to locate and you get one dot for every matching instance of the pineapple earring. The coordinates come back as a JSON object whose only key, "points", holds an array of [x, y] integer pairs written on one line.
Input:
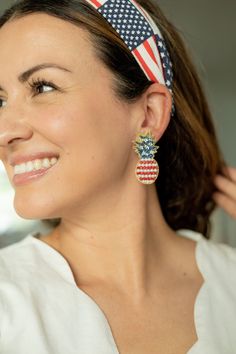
{"points": [[147, 169]]}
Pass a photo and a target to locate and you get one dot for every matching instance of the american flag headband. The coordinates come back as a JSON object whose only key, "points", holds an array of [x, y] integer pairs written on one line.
{"points": [[142, 36]]}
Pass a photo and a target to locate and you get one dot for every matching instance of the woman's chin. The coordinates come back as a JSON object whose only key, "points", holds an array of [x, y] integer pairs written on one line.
{"points": [[32, 209]]}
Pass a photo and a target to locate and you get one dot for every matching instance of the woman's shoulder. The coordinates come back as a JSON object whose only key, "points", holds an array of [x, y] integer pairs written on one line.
{"points": [[15, 260], [30, 261], [217, 260], [215, 247], [15, 246], [220, 260], [13, 256]]}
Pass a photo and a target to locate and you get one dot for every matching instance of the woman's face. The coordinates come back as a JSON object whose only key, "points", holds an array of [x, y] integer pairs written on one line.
{"points": [[78, 118]]}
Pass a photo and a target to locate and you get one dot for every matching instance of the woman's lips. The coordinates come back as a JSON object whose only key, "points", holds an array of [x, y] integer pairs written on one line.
{"points": [[27, 177]]}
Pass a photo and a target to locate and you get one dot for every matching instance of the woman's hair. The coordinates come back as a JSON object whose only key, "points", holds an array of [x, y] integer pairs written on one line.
{"points": [[189, 156]]}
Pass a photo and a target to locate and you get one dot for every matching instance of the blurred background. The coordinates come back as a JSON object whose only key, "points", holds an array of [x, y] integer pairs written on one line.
{"points": [[208, 28]]}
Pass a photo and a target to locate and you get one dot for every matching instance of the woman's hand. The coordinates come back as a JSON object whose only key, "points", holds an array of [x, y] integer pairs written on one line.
{"points": [[225, 197]]}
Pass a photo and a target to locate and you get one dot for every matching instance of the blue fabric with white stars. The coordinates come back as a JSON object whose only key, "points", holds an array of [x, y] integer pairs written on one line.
{"points": [[166, 62], [127, 21]]}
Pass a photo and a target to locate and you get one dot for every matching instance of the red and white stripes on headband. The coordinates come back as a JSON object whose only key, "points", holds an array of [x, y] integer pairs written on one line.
{"points": [[142, 36]]}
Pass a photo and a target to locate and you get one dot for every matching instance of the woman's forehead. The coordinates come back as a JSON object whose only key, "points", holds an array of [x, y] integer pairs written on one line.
{"points": [[43, 38], [39, 31]]}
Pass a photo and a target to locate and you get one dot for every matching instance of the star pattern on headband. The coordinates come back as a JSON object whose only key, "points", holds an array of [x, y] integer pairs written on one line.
{"points": [[166, 62], [142, 36], [127, 21]]}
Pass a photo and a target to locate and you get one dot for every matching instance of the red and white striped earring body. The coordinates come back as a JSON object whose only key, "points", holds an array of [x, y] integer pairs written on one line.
{"points": [[147, 169]]}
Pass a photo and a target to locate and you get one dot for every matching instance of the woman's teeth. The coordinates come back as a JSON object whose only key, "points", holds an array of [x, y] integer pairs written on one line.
{"points": [[35, 165]]}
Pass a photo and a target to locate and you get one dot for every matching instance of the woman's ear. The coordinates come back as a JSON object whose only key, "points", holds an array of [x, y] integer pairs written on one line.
{"points": [[157, 101]]}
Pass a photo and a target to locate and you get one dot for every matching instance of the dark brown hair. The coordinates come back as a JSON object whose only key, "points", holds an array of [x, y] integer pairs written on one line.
{"points": [[189, 156]]}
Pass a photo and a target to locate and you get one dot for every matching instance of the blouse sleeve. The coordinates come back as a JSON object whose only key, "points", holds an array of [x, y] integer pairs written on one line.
{"points": [[1, 319], [2, 302]]}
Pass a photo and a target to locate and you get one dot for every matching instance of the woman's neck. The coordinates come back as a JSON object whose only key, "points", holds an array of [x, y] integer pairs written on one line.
{"points": [[124, 248]]}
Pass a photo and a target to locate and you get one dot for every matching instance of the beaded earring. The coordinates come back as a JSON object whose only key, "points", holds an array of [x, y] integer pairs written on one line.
{"points": [[147, 169]]}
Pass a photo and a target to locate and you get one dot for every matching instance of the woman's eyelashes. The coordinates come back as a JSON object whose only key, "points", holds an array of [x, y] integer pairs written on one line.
{"points": [[40, 86]]}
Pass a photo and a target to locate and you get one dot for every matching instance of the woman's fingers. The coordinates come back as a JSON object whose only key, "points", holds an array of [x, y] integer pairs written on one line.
{"points": [[225, 197], [231, 171], [226, 186], [228, 204]]}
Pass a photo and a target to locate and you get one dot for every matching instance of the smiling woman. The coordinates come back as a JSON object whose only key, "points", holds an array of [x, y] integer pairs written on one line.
{"points": [[93, 84]]}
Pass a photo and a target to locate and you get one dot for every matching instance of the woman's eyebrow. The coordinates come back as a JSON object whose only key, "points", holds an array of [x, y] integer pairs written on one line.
{"points": [[23, 77], [26, 75]]}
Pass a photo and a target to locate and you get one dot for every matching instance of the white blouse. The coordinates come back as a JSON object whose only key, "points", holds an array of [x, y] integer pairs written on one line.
{"points": [[42, 310]]}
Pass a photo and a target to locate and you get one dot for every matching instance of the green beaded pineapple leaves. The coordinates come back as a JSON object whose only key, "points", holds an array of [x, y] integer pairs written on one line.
{"points": [[144, 145]]}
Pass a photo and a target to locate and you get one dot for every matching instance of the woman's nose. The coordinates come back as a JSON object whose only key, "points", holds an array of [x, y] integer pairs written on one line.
{"points": [[12, 130]]}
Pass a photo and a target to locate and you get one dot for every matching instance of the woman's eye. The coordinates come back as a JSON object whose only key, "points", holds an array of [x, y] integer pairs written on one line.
{"points": [[41, 86], [2, 103], [44, 88]]}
